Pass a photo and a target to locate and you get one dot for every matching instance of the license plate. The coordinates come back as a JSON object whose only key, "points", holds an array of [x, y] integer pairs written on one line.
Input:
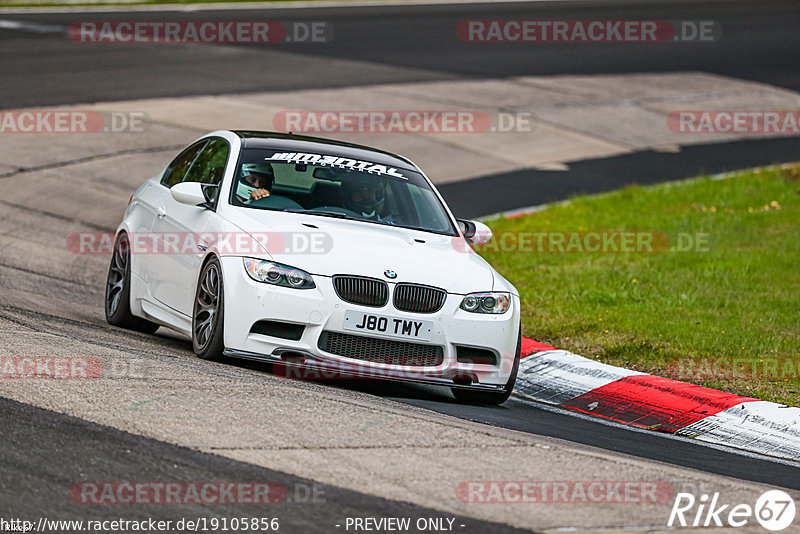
{"points": [[387, 326]]}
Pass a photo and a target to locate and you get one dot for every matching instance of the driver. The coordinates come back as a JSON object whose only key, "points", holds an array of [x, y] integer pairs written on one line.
{"points": [[256, 182], [365, 196]]}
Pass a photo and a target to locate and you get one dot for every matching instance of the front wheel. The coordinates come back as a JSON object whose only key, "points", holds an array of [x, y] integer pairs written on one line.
{"points": [[118, 290], [207, 319], [468, 396]]}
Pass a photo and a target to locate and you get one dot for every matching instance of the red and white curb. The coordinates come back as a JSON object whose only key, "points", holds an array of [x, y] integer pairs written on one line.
{"points": [[567, 380]]}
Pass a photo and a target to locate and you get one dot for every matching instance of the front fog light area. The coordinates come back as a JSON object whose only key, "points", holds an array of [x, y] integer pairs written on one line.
{"points": [[486, 302], [277, 274]]}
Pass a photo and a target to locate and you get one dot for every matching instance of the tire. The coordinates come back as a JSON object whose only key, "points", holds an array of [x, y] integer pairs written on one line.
{"points": [[468, 396], [118, 290], [208, 316]]}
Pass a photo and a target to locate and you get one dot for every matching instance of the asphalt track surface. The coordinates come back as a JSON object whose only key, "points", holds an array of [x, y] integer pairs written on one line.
{"points": [[530, 417], [409, 45], [515, 414], [45, 453], [529, 187], [406, 44]]}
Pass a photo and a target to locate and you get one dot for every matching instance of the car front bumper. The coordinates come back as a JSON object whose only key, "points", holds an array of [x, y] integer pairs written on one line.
{"points": [[321, 310]]}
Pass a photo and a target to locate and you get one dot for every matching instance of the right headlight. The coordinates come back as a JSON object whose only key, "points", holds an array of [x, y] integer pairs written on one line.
{"points": [[277, 274], [486, 302]]}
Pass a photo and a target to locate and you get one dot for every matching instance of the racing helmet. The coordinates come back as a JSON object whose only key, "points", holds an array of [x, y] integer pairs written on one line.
{"points": [[364, 195], [263, 173]]}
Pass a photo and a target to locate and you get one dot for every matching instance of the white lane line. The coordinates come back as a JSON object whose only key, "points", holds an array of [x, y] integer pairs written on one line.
{"points": [[24, 26], [214, 6]]}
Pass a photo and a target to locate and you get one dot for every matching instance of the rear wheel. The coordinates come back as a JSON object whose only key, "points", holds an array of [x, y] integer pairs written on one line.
{"points": [[468, 396], [207, 319], [118, 290]]}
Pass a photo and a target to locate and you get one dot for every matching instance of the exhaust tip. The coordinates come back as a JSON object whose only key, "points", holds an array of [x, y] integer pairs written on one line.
{"points": [[463, 380]]}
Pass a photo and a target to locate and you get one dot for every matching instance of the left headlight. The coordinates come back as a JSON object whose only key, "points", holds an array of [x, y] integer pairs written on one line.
{"points": [[486, 302], [277, 274]]}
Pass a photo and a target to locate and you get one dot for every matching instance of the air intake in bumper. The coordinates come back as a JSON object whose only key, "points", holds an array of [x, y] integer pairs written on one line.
{"points": [[383, 351], [475, 356], [278, 329]]}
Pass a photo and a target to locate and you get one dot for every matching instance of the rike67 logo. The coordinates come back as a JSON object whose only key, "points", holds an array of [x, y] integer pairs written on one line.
{"points": [[774, 510]]}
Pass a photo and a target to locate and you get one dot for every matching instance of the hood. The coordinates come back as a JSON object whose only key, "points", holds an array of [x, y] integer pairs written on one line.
{"points": [[327, 246]]}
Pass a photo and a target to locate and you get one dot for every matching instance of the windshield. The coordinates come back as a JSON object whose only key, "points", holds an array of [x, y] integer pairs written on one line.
{"points": [[333, 186]]}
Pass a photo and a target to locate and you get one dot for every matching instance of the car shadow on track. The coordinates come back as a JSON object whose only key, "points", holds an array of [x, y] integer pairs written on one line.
{"points": [[387, 389], [421, 395]]}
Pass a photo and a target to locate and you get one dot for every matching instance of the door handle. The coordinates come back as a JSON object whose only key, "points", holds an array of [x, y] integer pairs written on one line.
{"points": [[161, 213]]}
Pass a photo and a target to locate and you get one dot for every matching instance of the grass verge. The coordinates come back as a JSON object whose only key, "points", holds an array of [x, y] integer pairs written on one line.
{"points": [[724, 312]]}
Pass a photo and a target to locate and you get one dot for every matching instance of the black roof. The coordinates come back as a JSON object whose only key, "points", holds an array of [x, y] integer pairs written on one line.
{"points": [[317, 145]]}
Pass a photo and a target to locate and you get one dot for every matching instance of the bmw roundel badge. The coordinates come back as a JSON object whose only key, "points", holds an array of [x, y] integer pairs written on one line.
{"points": [[390, 274]]}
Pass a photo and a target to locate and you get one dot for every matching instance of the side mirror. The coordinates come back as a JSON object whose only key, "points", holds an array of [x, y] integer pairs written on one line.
{"points": [[476, 233], [190, 193]]}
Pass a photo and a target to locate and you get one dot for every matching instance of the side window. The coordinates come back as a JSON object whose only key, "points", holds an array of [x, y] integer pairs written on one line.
{"points": [[209, 165], [180, 165]]}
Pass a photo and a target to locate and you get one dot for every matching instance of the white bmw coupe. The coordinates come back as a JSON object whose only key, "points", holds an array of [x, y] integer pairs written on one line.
{"points": [[331, 259]]}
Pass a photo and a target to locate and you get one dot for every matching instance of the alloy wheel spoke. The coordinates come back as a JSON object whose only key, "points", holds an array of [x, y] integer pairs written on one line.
{"points": [[203, 308], [116, 275], [206, 306], [114, 302], [203, 330]]}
